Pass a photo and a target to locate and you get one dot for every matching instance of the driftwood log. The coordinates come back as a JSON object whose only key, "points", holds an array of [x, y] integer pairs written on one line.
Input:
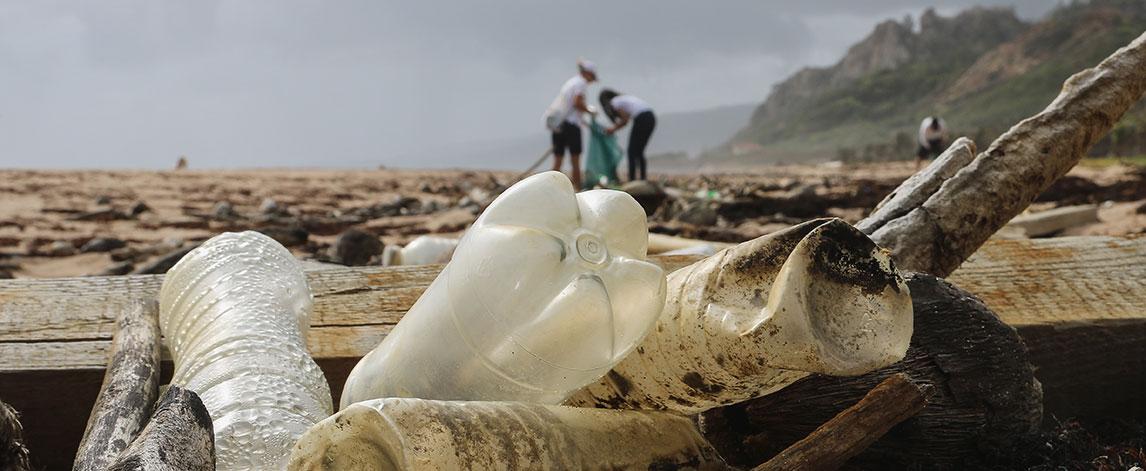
{"points": [[130, 387], [933, 228], [178, 436], [13, 453], [831, 445], [1085, 295], [984, 392]]}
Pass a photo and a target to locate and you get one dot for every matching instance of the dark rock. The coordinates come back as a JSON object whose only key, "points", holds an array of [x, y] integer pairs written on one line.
{"points": [[105, 214], [698, 215], [103, 199], [126, 253], [164, 262], [6, 275], [355, 247], [102, 244], [1141, 209], [648, 194], [289, 236], [139, 208], [121, 268]]}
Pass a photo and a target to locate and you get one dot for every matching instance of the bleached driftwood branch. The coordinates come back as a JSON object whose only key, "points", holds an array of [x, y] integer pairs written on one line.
{"points": [[178, 436], [130, 387], [933, 229]]}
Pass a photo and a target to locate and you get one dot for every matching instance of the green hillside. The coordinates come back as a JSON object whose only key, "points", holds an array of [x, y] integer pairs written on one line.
{"points": [[981, 70]]}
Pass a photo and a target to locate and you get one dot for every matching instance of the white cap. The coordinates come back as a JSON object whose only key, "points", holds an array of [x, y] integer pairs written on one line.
{"points": [[587, 66]]}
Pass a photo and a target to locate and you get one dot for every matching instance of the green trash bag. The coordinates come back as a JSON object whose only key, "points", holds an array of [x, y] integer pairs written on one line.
{"points": [[604, 155]]}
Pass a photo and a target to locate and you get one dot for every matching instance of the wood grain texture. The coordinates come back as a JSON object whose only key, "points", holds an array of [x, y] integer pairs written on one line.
{"points": [[1079, 303], [130, 388], [850, 432], [178, 436]]}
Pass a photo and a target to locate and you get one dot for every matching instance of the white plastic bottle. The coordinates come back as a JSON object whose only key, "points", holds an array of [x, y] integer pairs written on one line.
{"points": [[546, 291], [234, 312], [423, 250]]}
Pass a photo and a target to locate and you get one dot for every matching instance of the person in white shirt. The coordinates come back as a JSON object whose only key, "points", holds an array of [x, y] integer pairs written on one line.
{"points": [[932, 139], [623, 109], [563, 118]]}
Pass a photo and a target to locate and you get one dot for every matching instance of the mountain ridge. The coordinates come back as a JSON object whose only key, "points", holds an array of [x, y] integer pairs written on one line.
{"points": [[982, 70]]}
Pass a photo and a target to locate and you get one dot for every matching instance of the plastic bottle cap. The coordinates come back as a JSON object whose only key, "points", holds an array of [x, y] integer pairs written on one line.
{"points": [[591, 248]]}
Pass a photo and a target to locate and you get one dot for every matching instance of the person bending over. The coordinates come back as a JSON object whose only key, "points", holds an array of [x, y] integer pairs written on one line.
{"points": [[622, 109], [563, 118], [932, 134]]}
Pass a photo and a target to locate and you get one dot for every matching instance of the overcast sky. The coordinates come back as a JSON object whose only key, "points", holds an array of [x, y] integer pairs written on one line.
{"points": [[248, 83]]}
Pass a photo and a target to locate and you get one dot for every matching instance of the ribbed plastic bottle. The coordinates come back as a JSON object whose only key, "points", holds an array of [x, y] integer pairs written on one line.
{"points": [[234, 313], [545, 292], [415, 434]]}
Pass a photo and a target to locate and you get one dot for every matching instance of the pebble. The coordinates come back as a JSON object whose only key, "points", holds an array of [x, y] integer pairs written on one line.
{"points": [[224, 211], [139, 208], [698, 215], [102, 244]]}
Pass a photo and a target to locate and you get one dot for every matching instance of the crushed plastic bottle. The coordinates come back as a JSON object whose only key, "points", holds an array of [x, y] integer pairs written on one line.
{"points": [[546, 291], [410, 434], [234, 313]]}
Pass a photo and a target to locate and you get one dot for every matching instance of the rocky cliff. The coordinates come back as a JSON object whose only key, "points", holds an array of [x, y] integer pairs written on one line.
{"points": [[982, 70]]}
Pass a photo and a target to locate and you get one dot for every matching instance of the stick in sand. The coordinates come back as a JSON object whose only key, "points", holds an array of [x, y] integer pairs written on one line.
{"points": [[894, 400]]}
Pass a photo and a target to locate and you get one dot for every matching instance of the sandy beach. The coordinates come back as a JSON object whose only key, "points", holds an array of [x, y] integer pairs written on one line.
{"points": [[49, 219]]}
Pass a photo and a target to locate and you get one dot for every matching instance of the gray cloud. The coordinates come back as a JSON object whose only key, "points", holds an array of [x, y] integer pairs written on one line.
{"points": [[135, 83]]}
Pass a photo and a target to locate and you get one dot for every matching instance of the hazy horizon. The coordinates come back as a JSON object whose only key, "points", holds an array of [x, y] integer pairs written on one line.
{"points": [[363, 84]]}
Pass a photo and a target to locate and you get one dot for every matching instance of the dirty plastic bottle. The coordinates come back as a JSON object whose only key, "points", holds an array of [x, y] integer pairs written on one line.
{"points": [[234, 313], [818, 297], [546, 291], [412, 434]]}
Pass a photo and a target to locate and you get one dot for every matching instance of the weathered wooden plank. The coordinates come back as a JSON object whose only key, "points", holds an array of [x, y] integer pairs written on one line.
{"points": [[1079, 303], [1082, 298]]}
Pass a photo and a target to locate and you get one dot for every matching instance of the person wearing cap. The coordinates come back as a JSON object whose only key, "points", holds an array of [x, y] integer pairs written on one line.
{"points": [[564, 119], [623, 109]]}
